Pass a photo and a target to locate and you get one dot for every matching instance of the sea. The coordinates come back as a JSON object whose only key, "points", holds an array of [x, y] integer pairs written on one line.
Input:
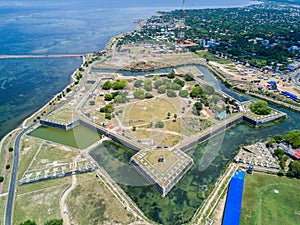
{"points": [[38, 27]]}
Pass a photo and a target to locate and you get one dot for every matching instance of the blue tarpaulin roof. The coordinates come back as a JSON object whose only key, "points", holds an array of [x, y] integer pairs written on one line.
{"points": [[234, 199]]}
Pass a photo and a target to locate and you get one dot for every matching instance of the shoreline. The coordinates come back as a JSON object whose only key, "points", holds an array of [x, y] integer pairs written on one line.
{"points": [[108, 46], [22, 126]]}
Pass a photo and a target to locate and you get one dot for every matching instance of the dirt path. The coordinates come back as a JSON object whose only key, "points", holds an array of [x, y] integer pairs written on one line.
{"points": [[63, 200], [5, 162]]}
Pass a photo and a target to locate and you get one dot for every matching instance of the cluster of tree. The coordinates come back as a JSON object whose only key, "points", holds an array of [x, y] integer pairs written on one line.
{"points": [[118, 97], [107, 109], [197, 107], [292, 138], [294, 169], [260, 108], [282, 157], [162, 85], [116, 85], [50, 222]]}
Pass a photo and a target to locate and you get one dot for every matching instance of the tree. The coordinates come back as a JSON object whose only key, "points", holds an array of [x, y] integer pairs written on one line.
{"points": [[120, 98], [108, 108], [183, 93], [28, 222], [148, 85], [179, 81], [7, 166], [10, 149], [158, 83], [171, 94], [108, 116], [188, 77], [138, 83], [196, 92], [108, 97], [159, 124], [293, 138], [139, 94], [278, 138], [260, 108], [120, 84], [175, 116], [107, 85], [1, 179], [162, 89], [175, 87], [148, 95], [54, 222], [294, 169], [171, 75], [197, 107]]}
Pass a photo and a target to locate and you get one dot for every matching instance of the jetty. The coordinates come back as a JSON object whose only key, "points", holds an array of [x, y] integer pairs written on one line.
{"points": [[40, 56]]}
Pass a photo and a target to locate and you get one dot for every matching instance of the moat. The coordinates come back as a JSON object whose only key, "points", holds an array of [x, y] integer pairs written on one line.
{"points": [[187, 196]]}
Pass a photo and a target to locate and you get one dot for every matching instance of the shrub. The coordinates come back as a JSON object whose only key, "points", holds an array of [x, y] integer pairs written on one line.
{"points": [[148, 95], [139, 94], [183, 93], [171, 94], [162, 89], [138, 83], [159, 124]]}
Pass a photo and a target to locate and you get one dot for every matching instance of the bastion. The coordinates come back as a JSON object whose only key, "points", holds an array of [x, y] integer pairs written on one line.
{"points": [[163, 169]]}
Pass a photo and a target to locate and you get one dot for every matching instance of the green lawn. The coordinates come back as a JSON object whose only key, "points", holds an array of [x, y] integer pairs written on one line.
{"points": [[261, 205]]}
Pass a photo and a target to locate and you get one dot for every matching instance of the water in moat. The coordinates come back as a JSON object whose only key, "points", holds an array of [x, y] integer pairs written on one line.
{"points": [[78, 137], [181, 203]]}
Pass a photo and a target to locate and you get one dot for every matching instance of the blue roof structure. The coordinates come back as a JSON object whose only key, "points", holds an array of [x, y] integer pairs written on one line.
{"points": [[290, 95], [234, 199]]}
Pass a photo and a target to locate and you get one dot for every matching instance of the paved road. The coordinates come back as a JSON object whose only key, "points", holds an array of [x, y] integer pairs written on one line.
{"points": [[13, 178]]}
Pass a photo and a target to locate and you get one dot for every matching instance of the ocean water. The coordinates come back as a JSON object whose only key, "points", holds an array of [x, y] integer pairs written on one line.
{"points": [[62, 27]]}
